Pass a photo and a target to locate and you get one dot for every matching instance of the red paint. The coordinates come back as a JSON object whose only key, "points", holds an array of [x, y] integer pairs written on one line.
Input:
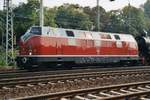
{"points": [[46, 45]]}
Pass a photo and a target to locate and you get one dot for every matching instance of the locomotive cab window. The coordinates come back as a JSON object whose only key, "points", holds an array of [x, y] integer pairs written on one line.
{"points": [[70, 33], [117, 37], [36, 30]]}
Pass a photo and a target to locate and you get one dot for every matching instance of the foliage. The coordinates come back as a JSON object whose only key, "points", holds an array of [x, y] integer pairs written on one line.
{"points": [[2, 25], [134, 22], [115, 22], [72, 16], [147, 22], [147, 8], [2, 55], [129, 20], [25, 16], [147, 15], [49, 17], [92, 12]]}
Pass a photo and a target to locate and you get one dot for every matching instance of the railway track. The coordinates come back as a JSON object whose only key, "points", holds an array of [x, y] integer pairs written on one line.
{"points": [[52, 83], [44, 79], [25, 73], [138, 91]]}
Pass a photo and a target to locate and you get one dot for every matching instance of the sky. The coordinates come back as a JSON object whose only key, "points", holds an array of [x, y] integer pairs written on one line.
{"points": [[106, 4]]}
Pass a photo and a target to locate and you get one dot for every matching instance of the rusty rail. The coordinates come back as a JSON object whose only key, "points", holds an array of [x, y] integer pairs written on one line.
{"points": [[64, 77], [24, 73], [115, 92]]}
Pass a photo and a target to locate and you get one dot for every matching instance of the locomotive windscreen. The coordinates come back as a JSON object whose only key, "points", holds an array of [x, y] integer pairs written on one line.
{"points": [[30, 32], [36, 30]]}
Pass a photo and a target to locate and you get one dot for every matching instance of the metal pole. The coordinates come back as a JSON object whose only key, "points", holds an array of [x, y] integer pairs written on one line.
{"points": [[129, 17], [7, 18], [9, 33], [41, 13], [98, 16]]}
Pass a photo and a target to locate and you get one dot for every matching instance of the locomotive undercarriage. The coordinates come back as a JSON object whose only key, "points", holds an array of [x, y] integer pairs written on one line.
{"points": [[69, 62], [147, 60]]}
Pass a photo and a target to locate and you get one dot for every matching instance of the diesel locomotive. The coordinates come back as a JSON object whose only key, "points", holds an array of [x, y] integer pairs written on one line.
{"points": [[58, 46]]}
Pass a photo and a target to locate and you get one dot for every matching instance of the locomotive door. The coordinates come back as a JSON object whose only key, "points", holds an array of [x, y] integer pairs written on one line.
{"points": [[59, 48], [97, 43], [59, 45]]}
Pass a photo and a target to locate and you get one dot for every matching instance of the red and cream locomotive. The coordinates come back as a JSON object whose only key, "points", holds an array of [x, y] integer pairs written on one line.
{"points": [[48, 46]]}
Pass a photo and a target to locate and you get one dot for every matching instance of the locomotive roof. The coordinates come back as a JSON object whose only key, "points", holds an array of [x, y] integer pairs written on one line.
{"points": [[89, 34], [81, 30]]}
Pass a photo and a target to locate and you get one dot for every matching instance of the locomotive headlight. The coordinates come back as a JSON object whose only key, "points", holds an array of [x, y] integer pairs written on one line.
{"points": [[30, 53], [30, 50]]}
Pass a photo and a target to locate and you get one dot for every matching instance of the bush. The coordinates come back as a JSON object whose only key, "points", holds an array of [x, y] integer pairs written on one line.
{"points": [[2, 57]]}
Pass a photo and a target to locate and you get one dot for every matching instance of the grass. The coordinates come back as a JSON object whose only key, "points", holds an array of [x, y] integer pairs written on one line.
{"points": [[2, 60]]}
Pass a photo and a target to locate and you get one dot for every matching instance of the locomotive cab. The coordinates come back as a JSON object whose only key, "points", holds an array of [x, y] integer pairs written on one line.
{"points": [[35, 30], [26, 47]]}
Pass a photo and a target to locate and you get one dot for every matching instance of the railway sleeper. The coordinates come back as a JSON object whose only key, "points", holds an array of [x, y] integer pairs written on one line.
{"points": [[30, 85], [19, 86]]}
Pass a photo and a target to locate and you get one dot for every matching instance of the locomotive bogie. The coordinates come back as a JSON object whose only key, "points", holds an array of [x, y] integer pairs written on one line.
{"points": [[34, 61]]}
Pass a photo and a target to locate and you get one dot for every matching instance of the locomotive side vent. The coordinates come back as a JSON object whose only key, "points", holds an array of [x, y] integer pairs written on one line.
{"points": [[70, 33], [117, 37]]}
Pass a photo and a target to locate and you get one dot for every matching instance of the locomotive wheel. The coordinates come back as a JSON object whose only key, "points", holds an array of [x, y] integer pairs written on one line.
{"points": [[147, 62], [20, 65]]}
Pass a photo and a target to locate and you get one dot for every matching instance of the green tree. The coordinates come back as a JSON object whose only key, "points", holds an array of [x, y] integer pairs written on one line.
{"points": [[147, 8], [49, 17], [92, 12], [133, 19], [114, 21], [26, 15], [72, 16], [147, 22], [147, 15], [2, 25]]}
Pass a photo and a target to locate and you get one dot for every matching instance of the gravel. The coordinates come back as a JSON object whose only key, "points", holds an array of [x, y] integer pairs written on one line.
{"points": [[70, 85]]}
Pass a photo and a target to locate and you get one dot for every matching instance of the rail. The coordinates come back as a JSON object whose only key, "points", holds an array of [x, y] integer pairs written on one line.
{"points": [[115, 92]]}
